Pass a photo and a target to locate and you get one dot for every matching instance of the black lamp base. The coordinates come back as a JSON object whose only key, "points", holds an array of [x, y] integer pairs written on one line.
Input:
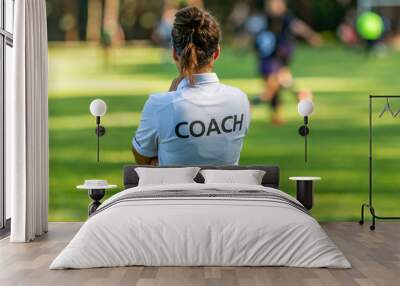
{"points": [[100, 130], [304, 130]]}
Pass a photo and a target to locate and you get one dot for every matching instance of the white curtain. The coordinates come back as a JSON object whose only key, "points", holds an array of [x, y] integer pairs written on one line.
{"points": [[26, 124]]}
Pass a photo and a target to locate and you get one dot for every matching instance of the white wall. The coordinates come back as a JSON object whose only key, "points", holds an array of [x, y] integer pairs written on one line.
{"points": [[8, 86], [9, 26]]}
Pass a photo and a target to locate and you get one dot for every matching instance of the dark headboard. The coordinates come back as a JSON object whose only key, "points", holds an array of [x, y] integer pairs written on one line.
{"points": [[271, 177]]}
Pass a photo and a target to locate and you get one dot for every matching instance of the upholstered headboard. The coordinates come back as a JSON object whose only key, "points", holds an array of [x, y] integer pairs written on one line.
{"points": [[271, 177]]}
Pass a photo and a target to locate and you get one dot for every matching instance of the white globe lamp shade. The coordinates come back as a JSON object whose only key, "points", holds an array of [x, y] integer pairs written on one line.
{"points": [[305, 107], [98, 107]]}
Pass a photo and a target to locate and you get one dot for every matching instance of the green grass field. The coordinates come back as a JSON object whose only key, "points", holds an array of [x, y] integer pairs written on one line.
{"points": [[340, 79]]}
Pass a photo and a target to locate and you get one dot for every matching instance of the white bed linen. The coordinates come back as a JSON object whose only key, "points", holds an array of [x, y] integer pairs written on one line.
{"points": [[200, 231], [248, 177]]}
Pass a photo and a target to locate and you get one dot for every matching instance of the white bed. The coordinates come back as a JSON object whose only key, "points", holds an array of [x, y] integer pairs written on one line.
{"points": [[249, 226]]}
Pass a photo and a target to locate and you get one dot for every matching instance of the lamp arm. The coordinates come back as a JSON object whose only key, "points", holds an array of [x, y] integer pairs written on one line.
{"points": [[100, 131], [98, 137], [305, 148], [305, 138], [98, 147]]}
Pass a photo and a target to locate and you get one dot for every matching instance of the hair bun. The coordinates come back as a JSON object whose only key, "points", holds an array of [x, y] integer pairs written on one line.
{"points": [[195, 37], [197, 22]]}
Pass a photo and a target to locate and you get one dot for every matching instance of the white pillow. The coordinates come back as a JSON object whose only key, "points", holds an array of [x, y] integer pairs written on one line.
{"points": [[248, 177], [166, 176]]}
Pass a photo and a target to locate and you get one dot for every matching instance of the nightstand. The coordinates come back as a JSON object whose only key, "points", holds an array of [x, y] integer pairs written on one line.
{"points": [[305, 190], [96, 191]]}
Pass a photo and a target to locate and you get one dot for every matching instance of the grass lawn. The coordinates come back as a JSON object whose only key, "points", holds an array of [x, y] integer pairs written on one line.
{"points": [[340, 79]]}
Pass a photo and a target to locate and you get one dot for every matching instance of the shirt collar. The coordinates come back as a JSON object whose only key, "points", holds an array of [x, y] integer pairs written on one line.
{"points": [[199, 79]]}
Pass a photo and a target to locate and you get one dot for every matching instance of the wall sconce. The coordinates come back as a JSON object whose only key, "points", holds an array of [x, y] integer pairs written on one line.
{"points": [[98, 108], [305, 108]]}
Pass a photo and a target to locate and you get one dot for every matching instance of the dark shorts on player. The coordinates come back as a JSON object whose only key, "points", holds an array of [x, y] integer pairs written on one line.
{"points": [[280, 59], [270, 66]]}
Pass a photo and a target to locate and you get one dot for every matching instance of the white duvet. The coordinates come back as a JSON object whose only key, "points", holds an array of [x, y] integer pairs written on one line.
{"points": [[200, 231]]}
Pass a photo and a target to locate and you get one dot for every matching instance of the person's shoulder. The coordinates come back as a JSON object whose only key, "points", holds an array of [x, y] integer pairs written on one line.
{"points": [[162, 99], [234, 91]]}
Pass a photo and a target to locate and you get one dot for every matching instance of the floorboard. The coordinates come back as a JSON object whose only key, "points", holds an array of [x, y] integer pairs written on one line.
{"points": [[375, 257]]}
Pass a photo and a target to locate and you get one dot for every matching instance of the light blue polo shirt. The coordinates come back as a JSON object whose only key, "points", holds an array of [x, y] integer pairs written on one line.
{"points": [[203, 124]]}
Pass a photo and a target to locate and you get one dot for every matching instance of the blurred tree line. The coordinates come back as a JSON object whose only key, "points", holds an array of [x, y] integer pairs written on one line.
{"points": [[114, 20]]}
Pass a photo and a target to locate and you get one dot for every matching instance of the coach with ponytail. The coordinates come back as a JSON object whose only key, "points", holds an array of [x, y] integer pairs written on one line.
{"points": [[199, 121]]}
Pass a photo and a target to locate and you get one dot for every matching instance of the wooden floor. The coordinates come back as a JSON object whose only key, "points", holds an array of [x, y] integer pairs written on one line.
{"points": [[375, 257]]}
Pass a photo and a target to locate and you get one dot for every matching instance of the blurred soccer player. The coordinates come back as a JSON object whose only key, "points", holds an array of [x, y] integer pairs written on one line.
{"points": [[275, 46], [163, 29]]}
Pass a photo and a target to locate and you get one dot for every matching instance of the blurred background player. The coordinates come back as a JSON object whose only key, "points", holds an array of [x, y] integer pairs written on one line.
{"points": [[346, 31], [237, 25], [275, 46], [111, 33], [163, 28]]}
